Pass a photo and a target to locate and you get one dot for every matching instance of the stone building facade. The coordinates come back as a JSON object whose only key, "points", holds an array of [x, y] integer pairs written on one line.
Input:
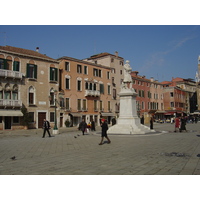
{"points": [[26, 80]]}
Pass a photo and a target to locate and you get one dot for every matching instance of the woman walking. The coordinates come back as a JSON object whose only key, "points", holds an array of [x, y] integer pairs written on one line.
{"points": [[104, 128]]}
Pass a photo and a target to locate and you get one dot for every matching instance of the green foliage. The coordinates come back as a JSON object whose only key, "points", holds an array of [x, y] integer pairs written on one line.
{"points": [[67, 123], [26, 118]]}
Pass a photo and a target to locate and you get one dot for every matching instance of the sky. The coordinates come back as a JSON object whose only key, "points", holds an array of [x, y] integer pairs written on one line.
{"points": [[159, 51]]}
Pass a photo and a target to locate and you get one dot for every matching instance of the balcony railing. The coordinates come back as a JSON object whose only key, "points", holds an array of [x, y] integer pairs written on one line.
{"points": [[10, 103], [10, 74], [92, 93]]}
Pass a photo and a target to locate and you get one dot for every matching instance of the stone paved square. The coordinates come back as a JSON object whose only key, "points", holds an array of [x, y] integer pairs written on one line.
{"points": [[69, 153]]}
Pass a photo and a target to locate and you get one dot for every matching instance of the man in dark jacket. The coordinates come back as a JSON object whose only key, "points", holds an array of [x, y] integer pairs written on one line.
{"points": [[46, 127], [82, 126], [104, 128]]}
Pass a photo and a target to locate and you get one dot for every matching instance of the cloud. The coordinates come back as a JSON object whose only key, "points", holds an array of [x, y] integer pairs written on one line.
{"points": [[157, 59]]}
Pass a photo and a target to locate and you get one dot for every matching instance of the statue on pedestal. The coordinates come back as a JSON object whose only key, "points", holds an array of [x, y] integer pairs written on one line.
{"points": [[127, 76]]}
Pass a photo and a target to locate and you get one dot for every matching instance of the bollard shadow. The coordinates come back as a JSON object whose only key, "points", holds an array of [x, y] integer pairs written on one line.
{"points": [[198, 135]]}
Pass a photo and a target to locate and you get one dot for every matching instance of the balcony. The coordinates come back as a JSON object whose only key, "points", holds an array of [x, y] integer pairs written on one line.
{"points": [[92, 93], [10, 103], [10, 74]]}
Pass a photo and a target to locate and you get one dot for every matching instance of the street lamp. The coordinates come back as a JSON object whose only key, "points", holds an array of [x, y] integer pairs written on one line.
{"points": [[55, 128]]}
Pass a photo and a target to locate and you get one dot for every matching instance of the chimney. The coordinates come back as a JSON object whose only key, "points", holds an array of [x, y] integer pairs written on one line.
{"points": [[151, 79], [116, 53], [37, 49]]}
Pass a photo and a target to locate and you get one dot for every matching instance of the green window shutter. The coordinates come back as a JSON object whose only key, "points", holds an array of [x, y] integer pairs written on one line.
{"points": [[5, 64], [27, 71], [16, 66], [35, 71], [56, 74], [102, 88], [51, 73]]}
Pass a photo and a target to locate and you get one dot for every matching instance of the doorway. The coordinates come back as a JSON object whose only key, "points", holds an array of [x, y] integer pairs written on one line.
{"points": [[7, 121], [41, 117]]}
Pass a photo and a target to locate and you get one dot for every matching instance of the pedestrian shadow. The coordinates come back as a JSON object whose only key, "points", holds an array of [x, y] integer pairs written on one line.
{"points": [[198, 155], [198, 135]]}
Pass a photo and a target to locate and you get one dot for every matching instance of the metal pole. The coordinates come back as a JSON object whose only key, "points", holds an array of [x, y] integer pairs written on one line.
{"points": [[55, 126]]}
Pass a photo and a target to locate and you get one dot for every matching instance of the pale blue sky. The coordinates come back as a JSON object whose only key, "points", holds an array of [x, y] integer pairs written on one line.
{"points": [[158, 51]]}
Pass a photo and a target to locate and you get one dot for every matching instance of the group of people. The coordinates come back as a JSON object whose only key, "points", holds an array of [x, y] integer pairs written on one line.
{"points": [[104, 127], [180, 124], [82, 127]]}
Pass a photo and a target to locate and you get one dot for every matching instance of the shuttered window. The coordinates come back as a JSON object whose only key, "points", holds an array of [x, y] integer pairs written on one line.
{"points": [[53, 74], [31, 71]]}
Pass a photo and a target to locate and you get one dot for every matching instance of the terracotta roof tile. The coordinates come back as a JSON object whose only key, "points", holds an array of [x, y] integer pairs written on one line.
{"points": [[24, 51]]}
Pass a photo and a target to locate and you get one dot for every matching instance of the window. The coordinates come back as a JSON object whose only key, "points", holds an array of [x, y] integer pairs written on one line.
{"points": [[7, 94], [142, 105], [67, 66], [52, 97], [171, 104], [16, 66], [53, 74], [101, 88], [85, 70], [62, 103], [149, 94], [95, 87], [67, 106], [108, 75], [79, 69], [114, 94], [31, 96], [97, 72], [109, 89], [67, 83], [79, 85], [86, 85], [31, 71], [112, 59], [101, 105], [121, 72], [109, 109], [171, 94], [84, 104], [16, 120], [3, 64], [31, 116], [79, 104], [52, 116], [95, 105]]}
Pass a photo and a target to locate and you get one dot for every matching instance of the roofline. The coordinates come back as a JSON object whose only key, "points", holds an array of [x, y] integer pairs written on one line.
{"points": [[82, 61], [30, 56]]}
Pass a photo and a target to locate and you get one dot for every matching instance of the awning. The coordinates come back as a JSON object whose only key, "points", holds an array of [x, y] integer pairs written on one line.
{"points": [[11, 113], [76, 114], [107, 114]]}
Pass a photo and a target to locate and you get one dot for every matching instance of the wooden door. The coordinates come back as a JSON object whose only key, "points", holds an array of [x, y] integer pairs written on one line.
{"points": [[41, 117]]}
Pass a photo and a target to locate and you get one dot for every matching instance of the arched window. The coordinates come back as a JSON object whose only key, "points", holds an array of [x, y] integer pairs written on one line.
{"points": [[15, 92], [31, 95], [7, 91]]}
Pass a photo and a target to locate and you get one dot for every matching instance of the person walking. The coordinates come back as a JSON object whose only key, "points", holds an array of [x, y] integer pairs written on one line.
{"points": [[142, 120], [177, 124], [183, 124], [93, 126], [151, 123], [46, 127], [104, 128], [82, 126]]}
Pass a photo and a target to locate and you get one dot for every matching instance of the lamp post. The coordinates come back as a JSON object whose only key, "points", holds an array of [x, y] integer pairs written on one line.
{"points": [[55, 128]]}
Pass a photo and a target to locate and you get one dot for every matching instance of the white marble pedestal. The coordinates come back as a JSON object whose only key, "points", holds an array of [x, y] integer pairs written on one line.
{"points": [[128, 121]]}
